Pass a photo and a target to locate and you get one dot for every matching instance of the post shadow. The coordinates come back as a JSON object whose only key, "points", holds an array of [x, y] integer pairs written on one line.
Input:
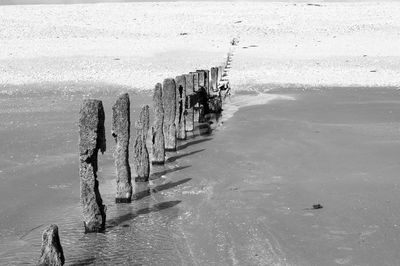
{"points": [[114, 222], [142, 190], [84, 262], [203, 129], [184, 146], [174, 158], [157, 175], [170, 185], [147, 192]]}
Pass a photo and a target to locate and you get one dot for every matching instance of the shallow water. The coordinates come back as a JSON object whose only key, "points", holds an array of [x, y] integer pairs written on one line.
{"points": [[40, 184]]}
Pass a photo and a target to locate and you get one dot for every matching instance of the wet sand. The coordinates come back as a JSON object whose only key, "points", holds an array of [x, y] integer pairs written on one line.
{"points": [[238, 196], [337, 147]]}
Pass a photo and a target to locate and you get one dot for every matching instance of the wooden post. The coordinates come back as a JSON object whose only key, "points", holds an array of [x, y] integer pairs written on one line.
{"points": [[180, 107], [91, 140], [121, 125], [204, 79], [195, 81], [207, 81], [51, 250], [202, 94], [214, 78], [190, 101], [220, 71], [196, 87], [169, 104], [141, 155], [228, 60], [158, 147], [201, 78]]}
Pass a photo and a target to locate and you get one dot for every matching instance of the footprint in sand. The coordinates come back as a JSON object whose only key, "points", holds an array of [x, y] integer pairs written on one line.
{"points": [[343, 261], [365, 234]]}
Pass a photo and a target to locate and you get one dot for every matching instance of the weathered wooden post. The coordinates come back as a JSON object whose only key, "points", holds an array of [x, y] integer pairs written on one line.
{"points": [[214, 78], [51, 250], [180, 120], [202, 100], [228, 60], [91, 139], [202, 94], [207, 81], [121, 125], [196, 87], [158, 147], [204, 79], [169, 104], [190, 101], [201, 78], [141, 154], [220, 71]]}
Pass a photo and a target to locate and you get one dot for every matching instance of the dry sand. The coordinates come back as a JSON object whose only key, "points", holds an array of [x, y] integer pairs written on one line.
{"points": [[241, 196], [138, 44]]}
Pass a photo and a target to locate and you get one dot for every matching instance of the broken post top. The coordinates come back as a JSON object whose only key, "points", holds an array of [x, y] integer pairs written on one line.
{"points": [[91, 128], [121, 116]]}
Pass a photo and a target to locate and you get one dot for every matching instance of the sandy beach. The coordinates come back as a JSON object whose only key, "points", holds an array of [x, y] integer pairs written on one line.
{"points": [[312, 119]]}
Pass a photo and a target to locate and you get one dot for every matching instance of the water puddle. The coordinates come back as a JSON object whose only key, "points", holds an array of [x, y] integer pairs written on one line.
{"points": [[235, 102]]}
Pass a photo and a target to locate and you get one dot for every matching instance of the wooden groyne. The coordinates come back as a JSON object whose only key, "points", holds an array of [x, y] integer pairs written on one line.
{"points": [[180, 106]]}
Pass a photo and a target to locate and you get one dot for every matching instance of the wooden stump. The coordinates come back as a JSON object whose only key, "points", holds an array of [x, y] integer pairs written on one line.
{"points": [[180, 120], [158, 147], [190, 102], [51, 250], [91, 140], [169, 104], [121, 124], [141, 155]]}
